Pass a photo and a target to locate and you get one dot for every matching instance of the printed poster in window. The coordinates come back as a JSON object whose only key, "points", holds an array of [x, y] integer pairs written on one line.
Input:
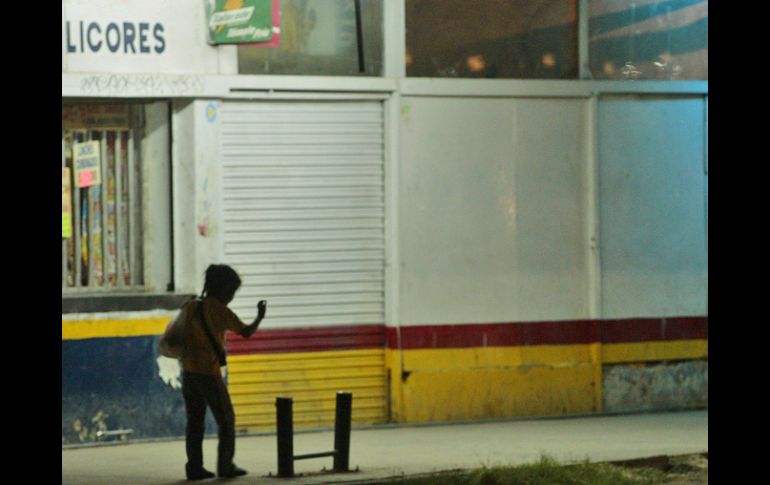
{"points": [[87, 163], [66, 204], [95, 200], [111, 258], [240, 21]]}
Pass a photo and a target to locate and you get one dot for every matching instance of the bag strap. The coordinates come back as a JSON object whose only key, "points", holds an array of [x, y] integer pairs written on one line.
{"points": [[217, 349]]}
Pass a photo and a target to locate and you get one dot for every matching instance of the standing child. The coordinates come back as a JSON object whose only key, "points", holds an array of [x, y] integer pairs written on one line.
{"points": [[202, 382]]}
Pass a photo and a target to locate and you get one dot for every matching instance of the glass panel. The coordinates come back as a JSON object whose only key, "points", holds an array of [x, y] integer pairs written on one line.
{"points": [[321, 38], [648, 39], [525, 39]]}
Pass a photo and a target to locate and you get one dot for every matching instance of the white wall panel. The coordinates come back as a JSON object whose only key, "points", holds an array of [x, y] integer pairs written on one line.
{"points": [[155, 197], [196, 185], [652, 211], [492, 210], [184, 148]]}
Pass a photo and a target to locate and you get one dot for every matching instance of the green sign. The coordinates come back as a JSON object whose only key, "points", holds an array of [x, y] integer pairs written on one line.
{"points": [[239, 21]]}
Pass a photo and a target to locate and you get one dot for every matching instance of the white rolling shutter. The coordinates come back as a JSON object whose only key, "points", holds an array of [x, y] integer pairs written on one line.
{"points": [[303, 207]]}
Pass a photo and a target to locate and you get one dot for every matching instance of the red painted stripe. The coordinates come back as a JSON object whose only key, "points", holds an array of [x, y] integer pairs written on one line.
{"points": [[491, 335], [308, 340], [549, 333], [470, 335], [652, 329]]}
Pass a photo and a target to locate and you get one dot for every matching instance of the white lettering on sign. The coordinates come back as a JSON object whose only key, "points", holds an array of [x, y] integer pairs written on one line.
{"points": [[231, 17], [248, 31]]}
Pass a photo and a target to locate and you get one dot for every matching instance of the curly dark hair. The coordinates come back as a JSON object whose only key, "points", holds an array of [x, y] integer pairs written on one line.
{"points": [[221, 281]]}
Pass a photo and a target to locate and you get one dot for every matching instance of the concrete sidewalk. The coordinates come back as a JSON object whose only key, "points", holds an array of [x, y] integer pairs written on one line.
{"points": [[395, 451]]}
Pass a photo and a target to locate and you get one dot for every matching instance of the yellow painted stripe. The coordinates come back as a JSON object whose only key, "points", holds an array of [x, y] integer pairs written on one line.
{"points": [[85, 329], [483, 382], [654, 351], [498, 392], [312, 380], [595, 349]]}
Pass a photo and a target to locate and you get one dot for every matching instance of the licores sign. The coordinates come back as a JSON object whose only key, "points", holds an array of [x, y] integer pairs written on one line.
{"points": [[128, 37], [137, 36]]}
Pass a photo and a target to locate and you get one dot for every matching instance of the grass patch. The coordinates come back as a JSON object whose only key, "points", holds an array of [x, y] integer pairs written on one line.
{"points": [[546, 471]]}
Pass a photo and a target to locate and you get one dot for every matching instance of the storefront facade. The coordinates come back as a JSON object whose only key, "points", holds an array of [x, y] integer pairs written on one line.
{"points": [[445, 249]]}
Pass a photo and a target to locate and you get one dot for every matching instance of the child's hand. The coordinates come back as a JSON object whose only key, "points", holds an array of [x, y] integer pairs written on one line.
{"points": [[261, 307]]}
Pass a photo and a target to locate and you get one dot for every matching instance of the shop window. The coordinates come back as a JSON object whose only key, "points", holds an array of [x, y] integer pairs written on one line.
{"points": [[333, 37], [649, 39], [522, 39], [101, 196]]}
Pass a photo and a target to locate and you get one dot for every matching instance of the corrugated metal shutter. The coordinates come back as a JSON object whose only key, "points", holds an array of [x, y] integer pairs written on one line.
{"points": [[298, 364], [303, 208]]}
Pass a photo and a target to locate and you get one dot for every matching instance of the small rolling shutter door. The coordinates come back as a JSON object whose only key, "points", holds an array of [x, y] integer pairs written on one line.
{"points": [[303, 219], [304, 210]]}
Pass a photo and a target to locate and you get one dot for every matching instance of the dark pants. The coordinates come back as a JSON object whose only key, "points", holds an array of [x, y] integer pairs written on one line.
{"points": [[200, 390]]}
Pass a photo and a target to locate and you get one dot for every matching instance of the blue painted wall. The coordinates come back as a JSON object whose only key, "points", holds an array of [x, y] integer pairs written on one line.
{"points": [[114, 383]]}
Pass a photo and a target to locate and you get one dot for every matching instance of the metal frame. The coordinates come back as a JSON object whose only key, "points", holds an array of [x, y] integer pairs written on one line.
{"points": [[118, 207], [105, 220], [132, 217], [313, 87], [584, 68], [64, 241], [76, 229], [90, 137], [134, 244]]}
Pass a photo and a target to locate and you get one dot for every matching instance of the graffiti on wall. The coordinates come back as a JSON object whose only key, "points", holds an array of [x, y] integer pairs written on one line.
{"points": [[141, 84], [113, 384]]}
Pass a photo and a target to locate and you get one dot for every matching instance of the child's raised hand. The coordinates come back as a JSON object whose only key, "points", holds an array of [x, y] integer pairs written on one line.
{"points": [[261, 307]]}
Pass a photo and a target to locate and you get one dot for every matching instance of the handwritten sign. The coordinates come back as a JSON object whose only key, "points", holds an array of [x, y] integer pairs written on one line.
{"points": [[87, 164], [66, 204]]}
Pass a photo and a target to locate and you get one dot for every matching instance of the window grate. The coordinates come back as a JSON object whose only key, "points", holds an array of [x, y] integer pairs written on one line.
{"points": [[102, 249]]}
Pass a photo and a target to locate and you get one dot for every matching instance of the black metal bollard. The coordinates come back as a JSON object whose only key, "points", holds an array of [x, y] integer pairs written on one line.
{"points": [[342, 419], [285, 434]]}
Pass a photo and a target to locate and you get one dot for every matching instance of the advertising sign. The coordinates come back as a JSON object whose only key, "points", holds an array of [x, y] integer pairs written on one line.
{"points": [[87, 164], [239, 21]]}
